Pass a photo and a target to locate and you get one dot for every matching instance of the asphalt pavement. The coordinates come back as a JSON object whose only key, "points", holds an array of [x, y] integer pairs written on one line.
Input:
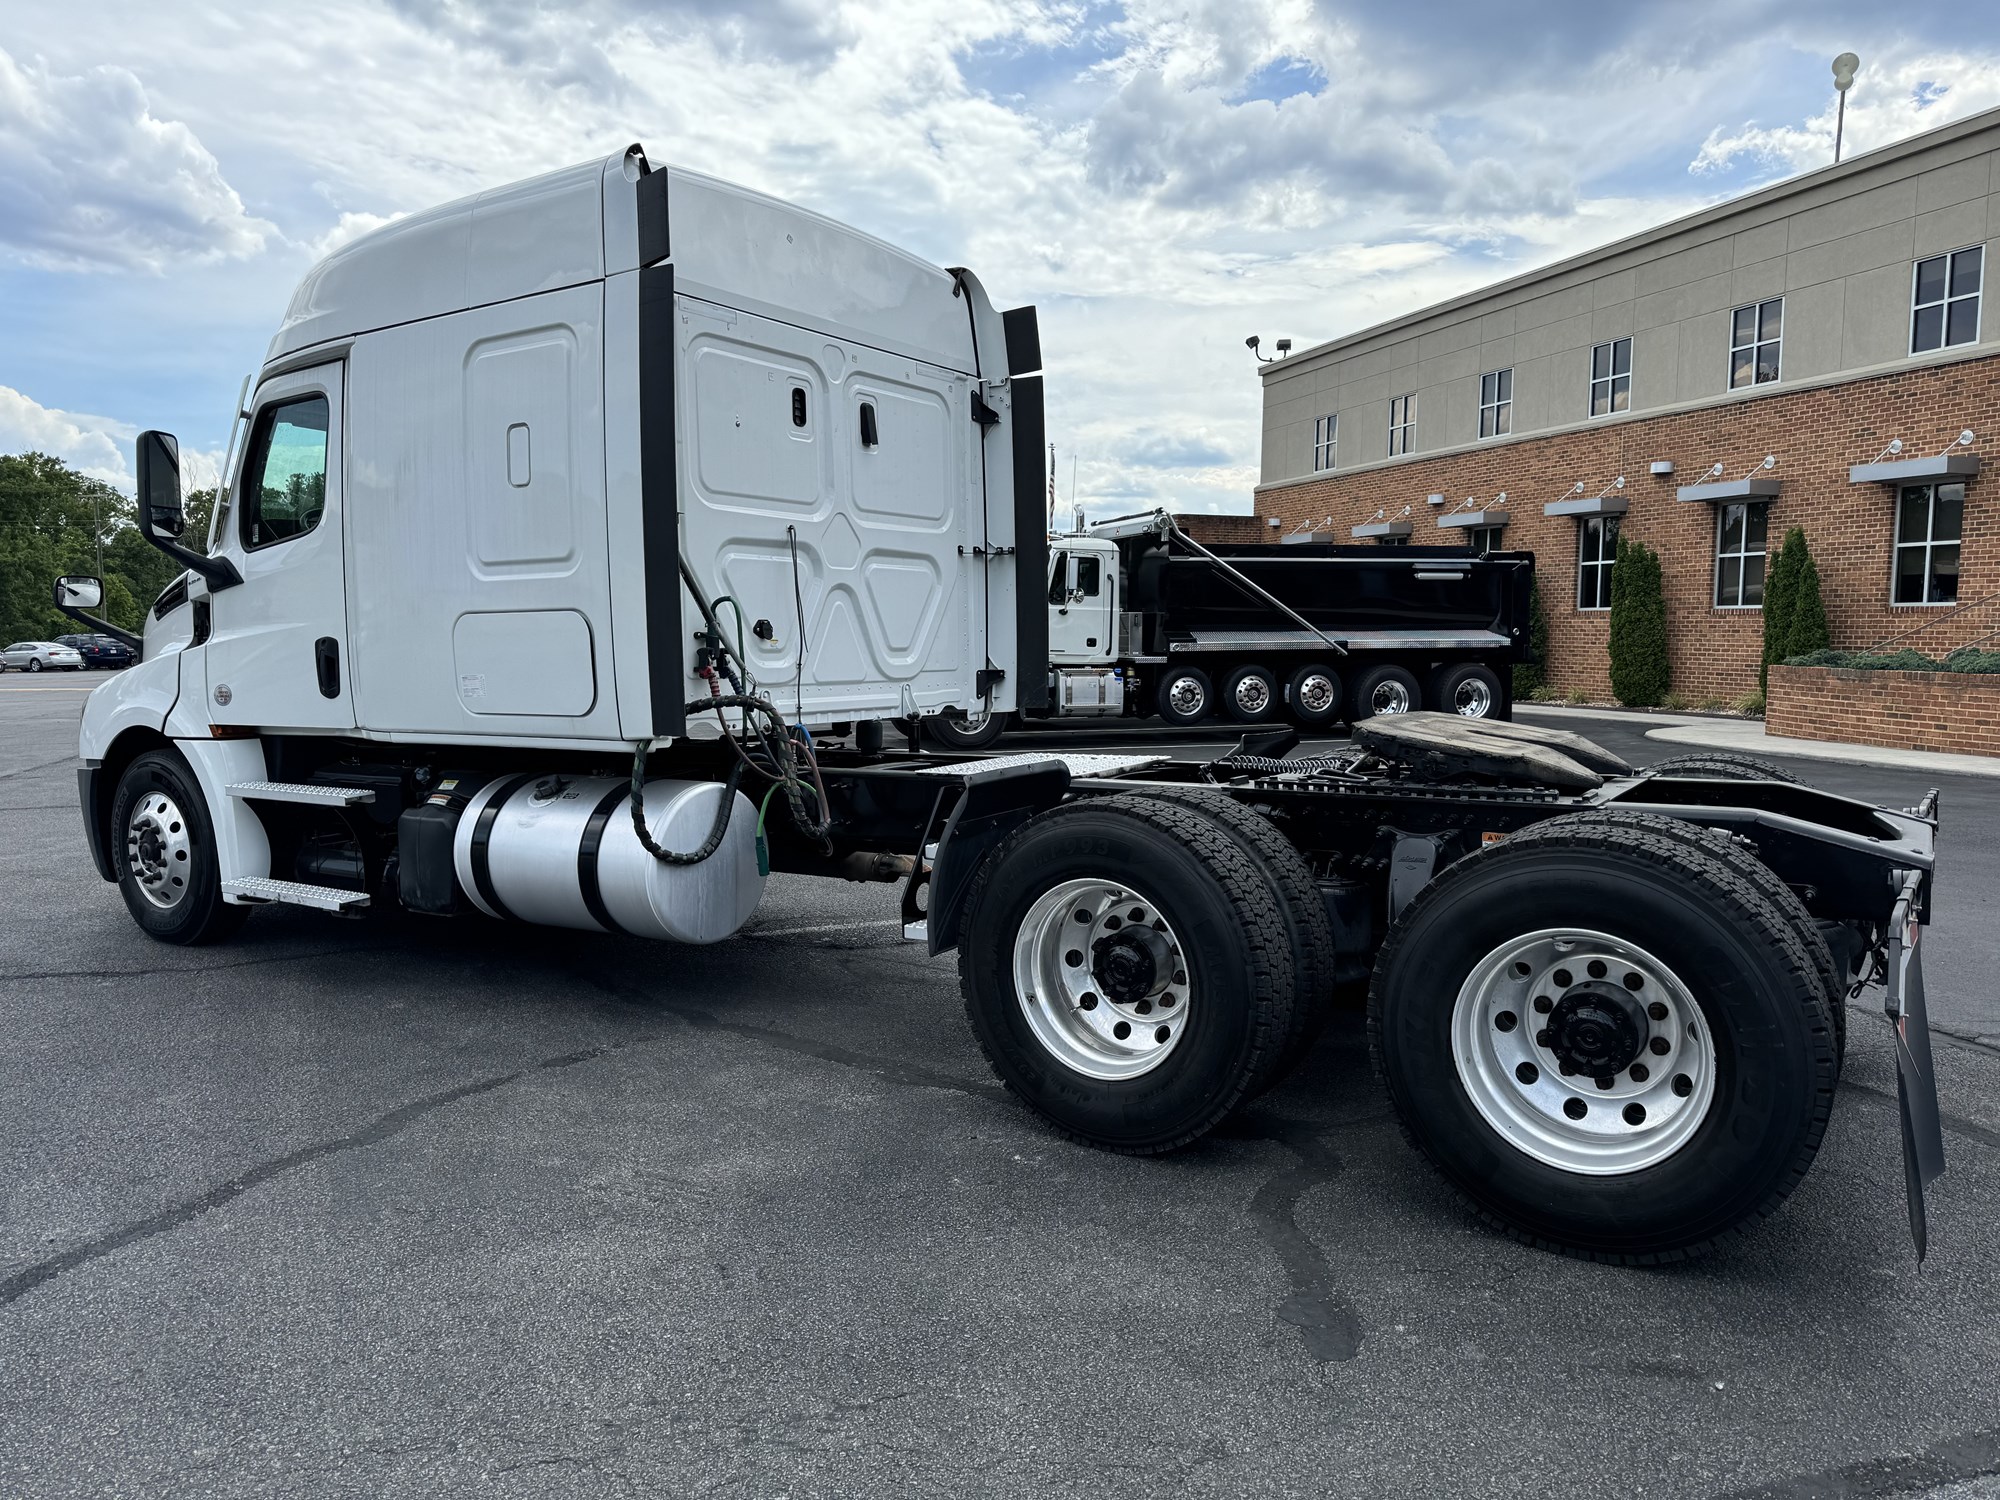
{"points": [[427, 1206]]}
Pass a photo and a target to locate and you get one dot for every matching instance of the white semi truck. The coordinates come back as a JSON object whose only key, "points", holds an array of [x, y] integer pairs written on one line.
{"points": [[564, 519]]}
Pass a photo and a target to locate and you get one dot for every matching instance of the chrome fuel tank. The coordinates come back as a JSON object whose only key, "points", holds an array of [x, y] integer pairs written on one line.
{"points": [[561, 851]]}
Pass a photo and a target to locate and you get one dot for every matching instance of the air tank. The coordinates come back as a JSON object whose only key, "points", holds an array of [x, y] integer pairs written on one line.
{"points": [[561, 851]]}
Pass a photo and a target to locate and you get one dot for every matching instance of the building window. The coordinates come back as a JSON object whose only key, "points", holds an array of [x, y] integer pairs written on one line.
{"points": [[1496, 404], [1326, 439], [1755, 333], [1392, 541], [1928, 521], [1483, 539], [1611, 377], [1596, 551], [1740, 532], [1945, 302], [1402, 424]]}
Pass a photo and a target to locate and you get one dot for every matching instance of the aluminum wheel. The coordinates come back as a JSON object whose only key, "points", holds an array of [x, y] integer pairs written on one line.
{"points": [[1252, 694], [1584, 1051], [1472, 698], [1188, 697], [157, 850], [1102, 979], [1390, 697], [1316, 693]]}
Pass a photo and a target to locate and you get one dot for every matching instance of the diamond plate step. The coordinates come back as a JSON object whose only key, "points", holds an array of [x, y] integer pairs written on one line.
{"points": [[310, 793], [296, 893]]}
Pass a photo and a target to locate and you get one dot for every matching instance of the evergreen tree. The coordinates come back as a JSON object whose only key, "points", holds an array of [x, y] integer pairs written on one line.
{"points": [[1808, 630], [1640, 671], [1780, 593], [1532, 673]]}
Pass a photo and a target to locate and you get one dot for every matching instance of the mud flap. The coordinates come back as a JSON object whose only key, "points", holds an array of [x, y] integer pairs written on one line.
{"points": [[990, 803], [1916, 1083]]}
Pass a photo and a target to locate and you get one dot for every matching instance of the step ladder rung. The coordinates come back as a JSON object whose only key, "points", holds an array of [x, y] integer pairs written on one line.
{"points": [[295, 893], [308, 793]]}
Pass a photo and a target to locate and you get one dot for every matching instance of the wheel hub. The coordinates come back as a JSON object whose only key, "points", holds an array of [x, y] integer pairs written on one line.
{"points": [[1101, 978], [1316, 694], [1132, 964], [1597, 1029], [157, 849]]}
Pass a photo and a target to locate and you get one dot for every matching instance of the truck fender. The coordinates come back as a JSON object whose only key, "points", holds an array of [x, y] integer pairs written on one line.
{"points": [[978, 810], [241, 848], [140, 697]]}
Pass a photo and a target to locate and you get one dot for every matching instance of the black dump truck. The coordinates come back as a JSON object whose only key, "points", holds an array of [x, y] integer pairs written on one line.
{"points": [[1143, 619]]}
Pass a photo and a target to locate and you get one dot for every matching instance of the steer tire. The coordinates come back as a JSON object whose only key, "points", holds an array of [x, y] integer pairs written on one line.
{"points": [[1770, 1051], [1745, 863], [195, 911], [1256, 684], [961, 734], [1723, 765], [1216, 900], [1306, 923]]}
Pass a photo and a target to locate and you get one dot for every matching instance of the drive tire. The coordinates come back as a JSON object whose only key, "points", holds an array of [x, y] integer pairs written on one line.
{"points": [[1259, 688], [1723, 765], [1194, 692], [1771, 1060], [1783, 899], [955, 734], [1384, 690], [1319, 682], [197, 913], [1306, 924], [1218, 904], [1466, 689]]}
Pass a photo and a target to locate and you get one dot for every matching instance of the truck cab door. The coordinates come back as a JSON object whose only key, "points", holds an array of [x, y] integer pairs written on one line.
{"points": [[1080, 598], [276, 655]]}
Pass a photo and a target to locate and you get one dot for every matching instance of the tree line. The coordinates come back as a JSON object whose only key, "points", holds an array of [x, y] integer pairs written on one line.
{"points": [[56, 521]]}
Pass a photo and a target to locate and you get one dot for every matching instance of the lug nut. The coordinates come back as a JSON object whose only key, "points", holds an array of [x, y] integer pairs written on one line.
{"points": [[1543, 1005], [1640, 1072], [1660, 1046], [1575, 1108], [1566, 1070], [1657, 1011], [1544, 1037], [1144, 1007], [1563, 978], [1683, 1085], [1635, 1113], [1606, 1082], [1635, 981], [1506, 1020]]}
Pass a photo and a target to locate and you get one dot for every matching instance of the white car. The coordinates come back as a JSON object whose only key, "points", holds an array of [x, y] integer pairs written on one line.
{"points": [[40, 656]]}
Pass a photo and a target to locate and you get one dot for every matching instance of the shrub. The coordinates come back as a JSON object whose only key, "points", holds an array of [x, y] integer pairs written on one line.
{"points": [[1794, 612], [1674, 701], [1749, 703], [1532, 675], [1902, 659], [1576, 695], [1544, 694], [1972, 659], [1711, 706], [1640, 673]]}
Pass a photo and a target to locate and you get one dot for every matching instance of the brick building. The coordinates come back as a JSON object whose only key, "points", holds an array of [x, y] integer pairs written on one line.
{"points": [[1806, 355]]}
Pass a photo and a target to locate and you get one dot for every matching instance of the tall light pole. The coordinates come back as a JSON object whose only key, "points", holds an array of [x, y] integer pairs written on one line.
{"points": [[1844, 68]]}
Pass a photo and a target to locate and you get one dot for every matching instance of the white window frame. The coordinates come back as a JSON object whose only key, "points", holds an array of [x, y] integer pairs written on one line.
{"points": [[1743, 553], [1610, 381], [1944, 303], [1326, 442], [1500, 423], [1927, 546], [1402, 434], [1485, 539], [1607, 528], [1758, 342]]}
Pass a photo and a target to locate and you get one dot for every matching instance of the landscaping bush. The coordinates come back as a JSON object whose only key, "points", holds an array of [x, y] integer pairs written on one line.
{"points": [[1794, 612], [1640, 671], [1902, 659], [1531, 675], [1749, 703], [1972, 659]]}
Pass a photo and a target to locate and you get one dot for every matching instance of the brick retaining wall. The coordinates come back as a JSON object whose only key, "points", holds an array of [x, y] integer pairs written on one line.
{"points": [[1957, 712]]}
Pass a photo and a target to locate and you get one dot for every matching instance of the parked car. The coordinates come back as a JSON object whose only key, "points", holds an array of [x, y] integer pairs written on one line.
{"points": [[100, 651], [40, 656]]}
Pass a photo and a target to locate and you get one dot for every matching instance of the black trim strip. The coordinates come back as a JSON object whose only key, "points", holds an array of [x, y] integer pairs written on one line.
{"points": [[651, 192], [586, 857], [1024, 340], [659, 499], [482, 833], [1031, 545]]}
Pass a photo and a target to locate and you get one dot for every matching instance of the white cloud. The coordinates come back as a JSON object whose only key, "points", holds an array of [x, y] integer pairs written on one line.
{"points": [[97, 446], [90, 177], [349, 226]]}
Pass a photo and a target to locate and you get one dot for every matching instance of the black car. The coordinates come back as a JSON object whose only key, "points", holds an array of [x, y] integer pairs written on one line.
{"points": [[99, 652]]}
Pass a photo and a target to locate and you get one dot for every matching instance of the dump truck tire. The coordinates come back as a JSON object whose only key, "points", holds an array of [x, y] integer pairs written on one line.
{"points": [[1127, 971], [1517, 1000]]}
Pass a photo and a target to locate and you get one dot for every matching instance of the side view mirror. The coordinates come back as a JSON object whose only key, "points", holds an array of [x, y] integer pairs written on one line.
{"points": [[76, 595], [79, 593], [163, 517], [161, 513]]}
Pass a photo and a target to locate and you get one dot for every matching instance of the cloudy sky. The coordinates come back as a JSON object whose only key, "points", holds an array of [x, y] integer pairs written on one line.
{"points": [[1163, 177]]}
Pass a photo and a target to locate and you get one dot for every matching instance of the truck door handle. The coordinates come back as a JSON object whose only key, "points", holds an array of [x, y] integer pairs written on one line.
{"points": [[326, 656]]}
